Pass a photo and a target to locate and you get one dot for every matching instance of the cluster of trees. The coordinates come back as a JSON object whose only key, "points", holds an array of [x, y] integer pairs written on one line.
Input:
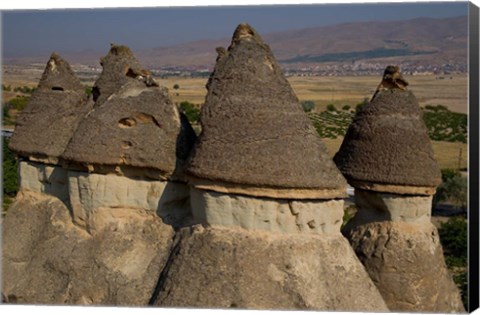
{"points": [[442, 124], [192, 112], [453, 236], [18, 103], [20, 89], [453, 189], [445, 125], [10, 177]]}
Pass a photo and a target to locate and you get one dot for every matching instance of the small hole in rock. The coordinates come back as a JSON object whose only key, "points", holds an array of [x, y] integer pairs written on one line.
{"points": [[57, 88], [127, 122], [126, 145]]}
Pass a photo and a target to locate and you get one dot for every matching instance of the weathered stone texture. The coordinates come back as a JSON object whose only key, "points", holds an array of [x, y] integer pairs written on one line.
{"points": [[254, 131], [89, 192], [233, 267], [114, 75], [379, 207], [49, 260], [138, 126], [285, 216], [405, 261], [45, 126], [387, 143], [41, 178]]}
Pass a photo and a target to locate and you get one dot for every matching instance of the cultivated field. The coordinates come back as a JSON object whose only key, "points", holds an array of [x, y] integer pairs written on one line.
{"points": [[448, 154], [340, 91], [450, 91]]}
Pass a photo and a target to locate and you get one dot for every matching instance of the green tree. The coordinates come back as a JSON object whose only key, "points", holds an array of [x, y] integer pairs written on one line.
{"points": [[346, 107], [307, 106], [454, 189], [176, 86], [359, 106], [88, 90], [10, 177], [454, 236], [331, 108], [191, 111], [6, 115], [19, 103]]}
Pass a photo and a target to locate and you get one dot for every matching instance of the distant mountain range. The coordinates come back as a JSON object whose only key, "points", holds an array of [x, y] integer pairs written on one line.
{"points": [[420, 42]]}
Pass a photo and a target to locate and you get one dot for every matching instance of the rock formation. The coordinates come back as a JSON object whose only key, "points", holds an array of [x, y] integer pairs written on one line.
{"points": [[387, 156], [98, 228], [46, 125], [143, 141], [265, 200], [116, 208]]}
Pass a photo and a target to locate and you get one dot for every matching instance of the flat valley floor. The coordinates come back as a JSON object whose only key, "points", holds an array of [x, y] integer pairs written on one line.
{"points": [[447, 90]]}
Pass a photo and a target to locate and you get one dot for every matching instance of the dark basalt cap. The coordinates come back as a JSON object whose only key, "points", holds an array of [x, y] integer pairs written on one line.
{"points": [[117, 65], [388, 144], [137, 127], [254, 131], [45, 126]]}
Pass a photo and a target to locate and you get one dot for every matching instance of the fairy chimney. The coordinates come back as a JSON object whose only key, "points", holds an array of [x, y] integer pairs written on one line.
{"points": [[256, 140], [134, 140], [261, 178], [387, 156], [45, 127]]}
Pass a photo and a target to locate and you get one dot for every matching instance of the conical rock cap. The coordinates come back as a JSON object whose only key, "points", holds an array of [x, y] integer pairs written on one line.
{"points": [[255, 134], [138, 127], [45, 126], [117, 65], [387, 147]]}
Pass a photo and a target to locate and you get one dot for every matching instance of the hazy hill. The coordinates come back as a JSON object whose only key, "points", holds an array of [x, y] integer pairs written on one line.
{"points": [[421, 41]]}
